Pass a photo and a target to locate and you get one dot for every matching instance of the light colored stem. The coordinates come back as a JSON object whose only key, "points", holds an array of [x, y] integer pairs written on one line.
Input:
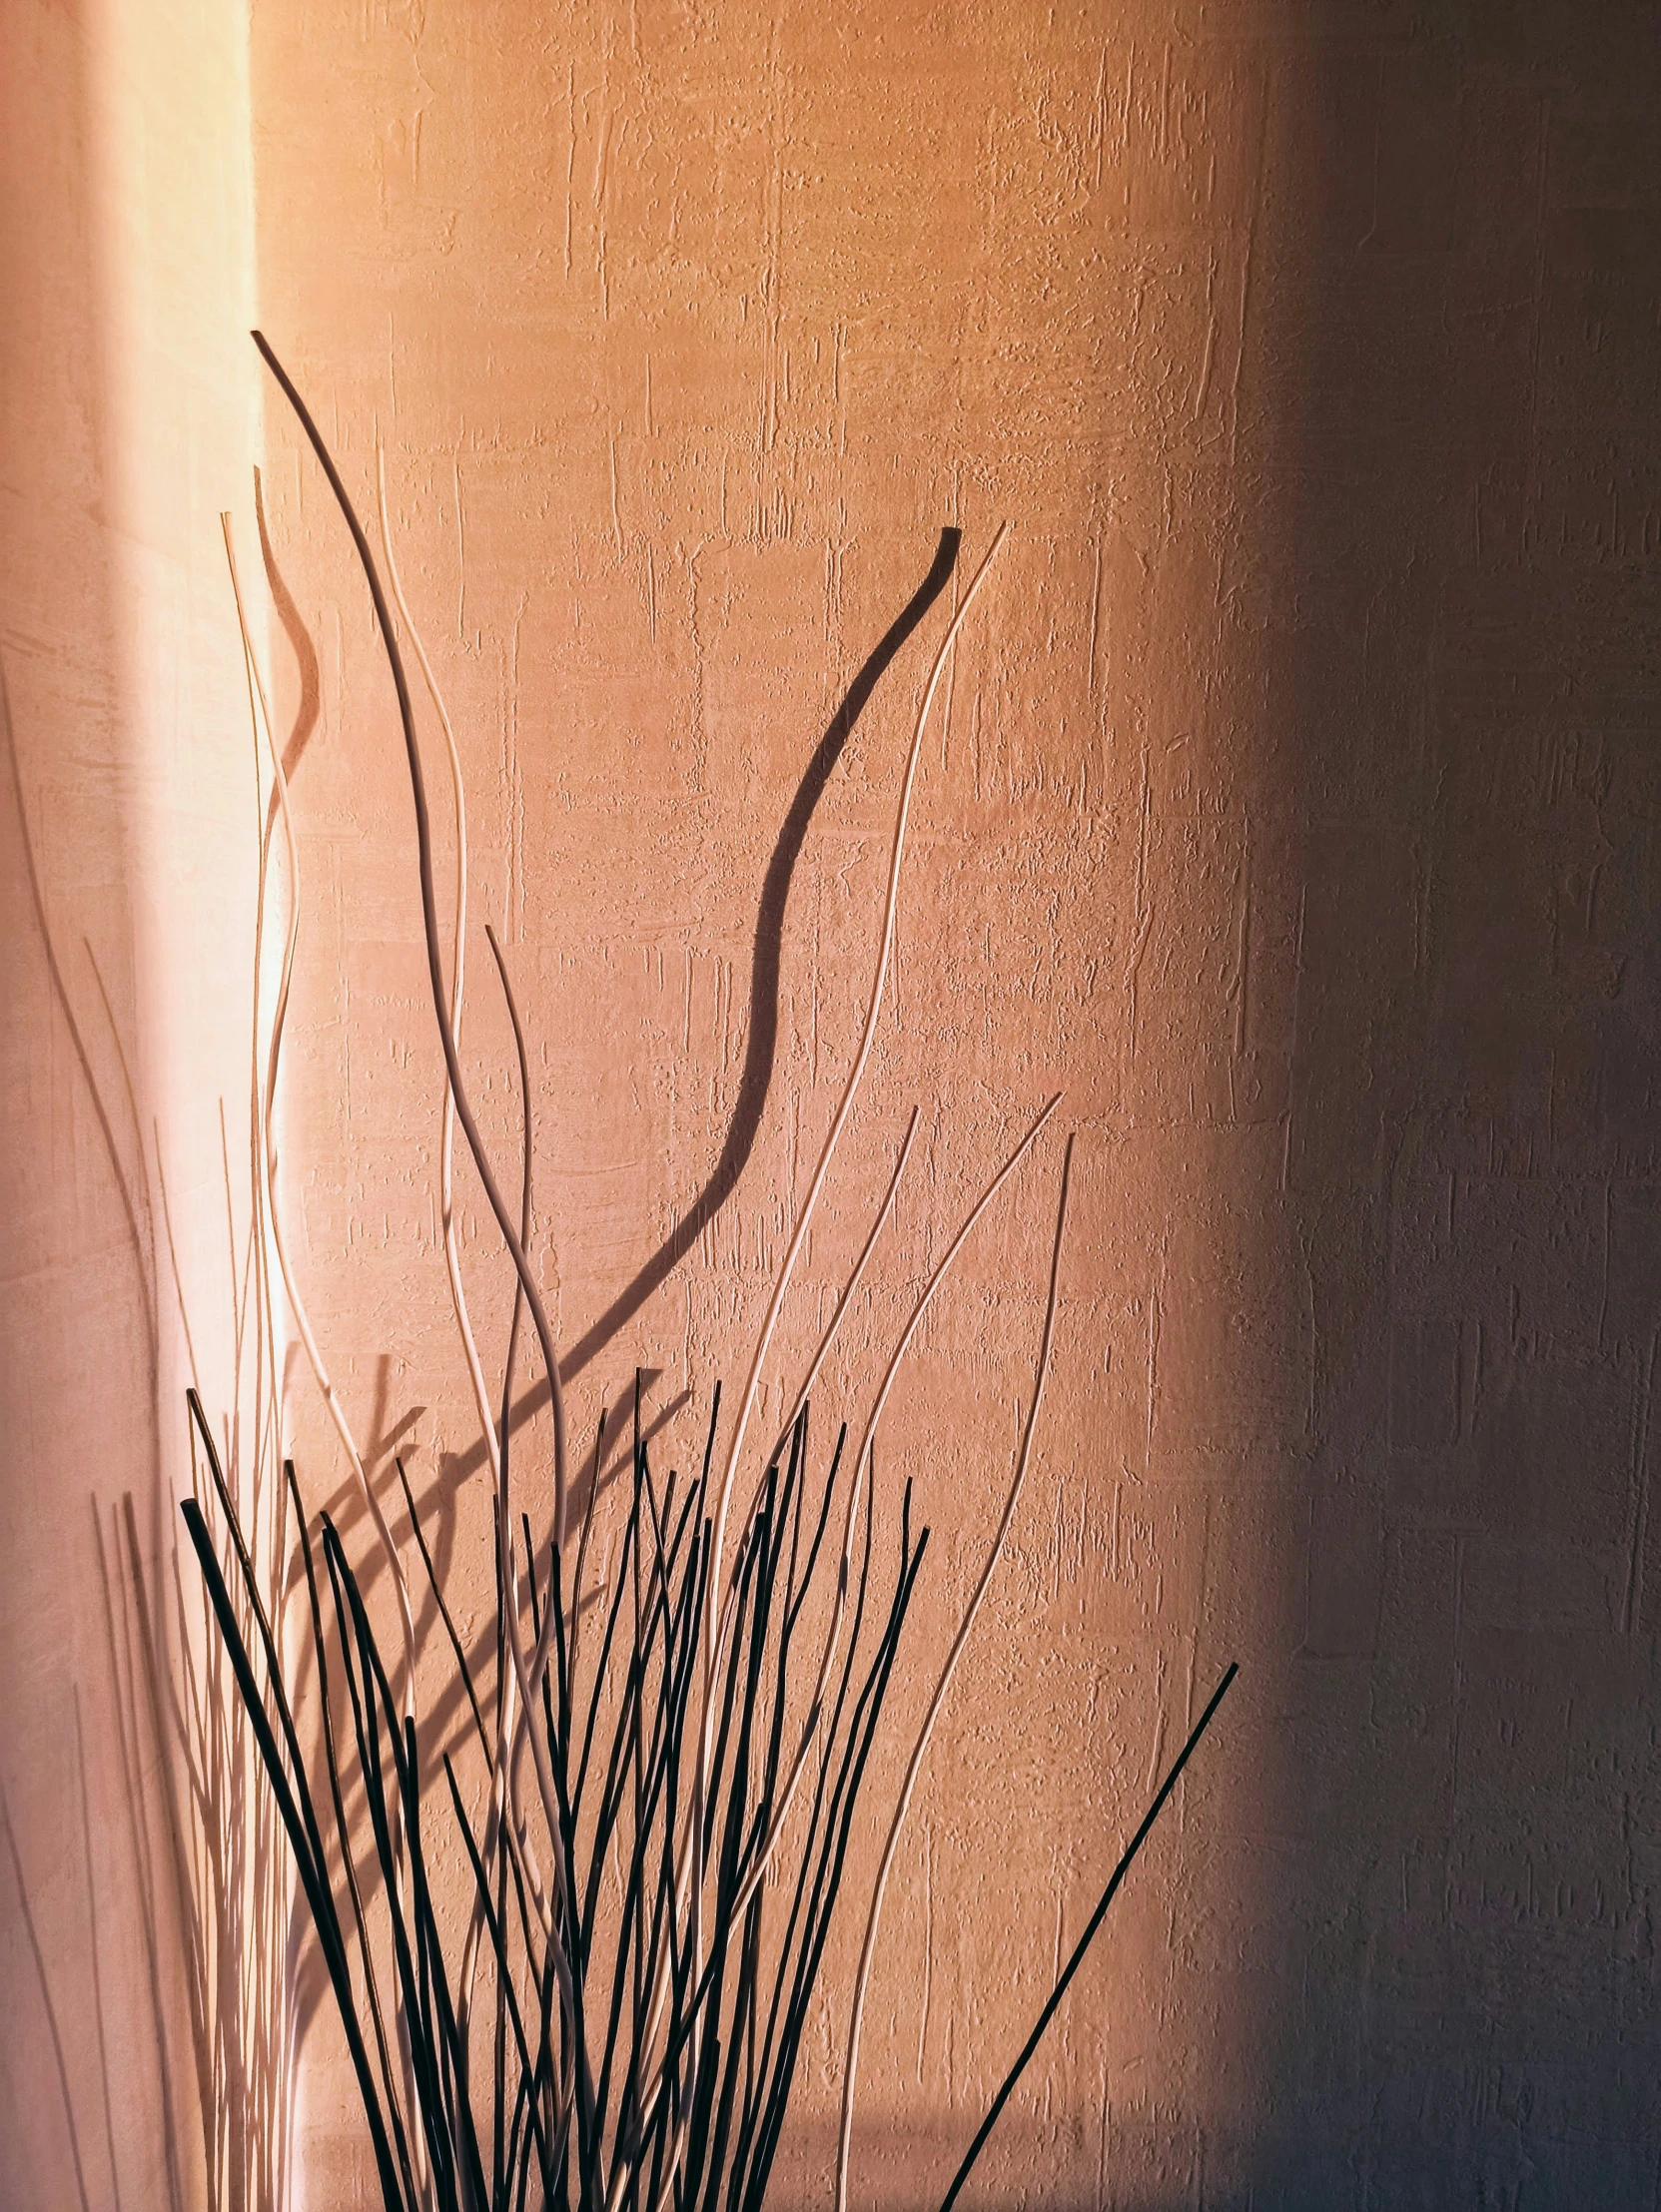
{"points": [[524, 1677], [842, 1303], [446, 1158], [839, 1611], [920, 1748], [810, 1726], [844, 1108], [829, 1337], [296, 1305], [714, 1609]]}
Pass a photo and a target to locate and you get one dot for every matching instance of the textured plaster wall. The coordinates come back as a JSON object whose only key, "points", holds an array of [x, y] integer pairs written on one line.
{"points": [[127, 415], [1295, 806]]}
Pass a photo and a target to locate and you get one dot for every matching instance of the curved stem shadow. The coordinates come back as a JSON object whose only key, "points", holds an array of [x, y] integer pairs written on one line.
{"points": [[310, 708], [762, 1046]]}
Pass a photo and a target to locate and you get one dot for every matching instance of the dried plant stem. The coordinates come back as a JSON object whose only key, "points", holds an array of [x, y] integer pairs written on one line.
{"points": [[463, 1111], [430, 926], [1063, 1978], [457, 971], [861, 1459], [718, 1601], [844, 1106], [822, 1350], [495, 1447], [266, 1184], [528, 1676], [856, 2010], [291, 1289], [828, 1338]]}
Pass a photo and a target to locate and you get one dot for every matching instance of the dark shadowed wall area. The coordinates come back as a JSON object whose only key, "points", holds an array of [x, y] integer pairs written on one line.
{"points": [[1453, 385], [1457, 385]]}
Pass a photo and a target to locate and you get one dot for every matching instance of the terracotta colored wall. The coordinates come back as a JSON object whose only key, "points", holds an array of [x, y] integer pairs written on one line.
{"points": [[125, 274], [1294, 807]]}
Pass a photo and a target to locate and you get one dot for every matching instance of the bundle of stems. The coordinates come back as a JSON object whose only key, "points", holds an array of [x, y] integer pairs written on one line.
{"points": [[625, 2064], [651, 1904]]}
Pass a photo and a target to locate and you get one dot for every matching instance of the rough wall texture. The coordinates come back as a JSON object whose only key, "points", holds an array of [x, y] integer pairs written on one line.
{"points": [[126, 270], [1294, 805]]}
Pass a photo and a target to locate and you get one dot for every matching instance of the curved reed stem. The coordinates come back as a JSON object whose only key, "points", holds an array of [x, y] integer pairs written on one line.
{"points": [[830, 1332], [780, 1811], [862, 1459], [852, 1285], [290, 1288], [429, 920], [267, 1181], [855, 1074], [495, 1446], [856, 2013], [717, 1606], [457, 971]]}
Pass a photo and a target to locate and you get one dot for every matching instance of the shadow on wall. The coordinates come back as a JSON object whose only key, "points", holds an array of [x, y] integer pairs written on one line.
{"points": [[1433, 1229], [115, 674], [761, 1028], [1454, 363], [437, 1510], [1440, 1093], [68, 2001], [79, 2086]]}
